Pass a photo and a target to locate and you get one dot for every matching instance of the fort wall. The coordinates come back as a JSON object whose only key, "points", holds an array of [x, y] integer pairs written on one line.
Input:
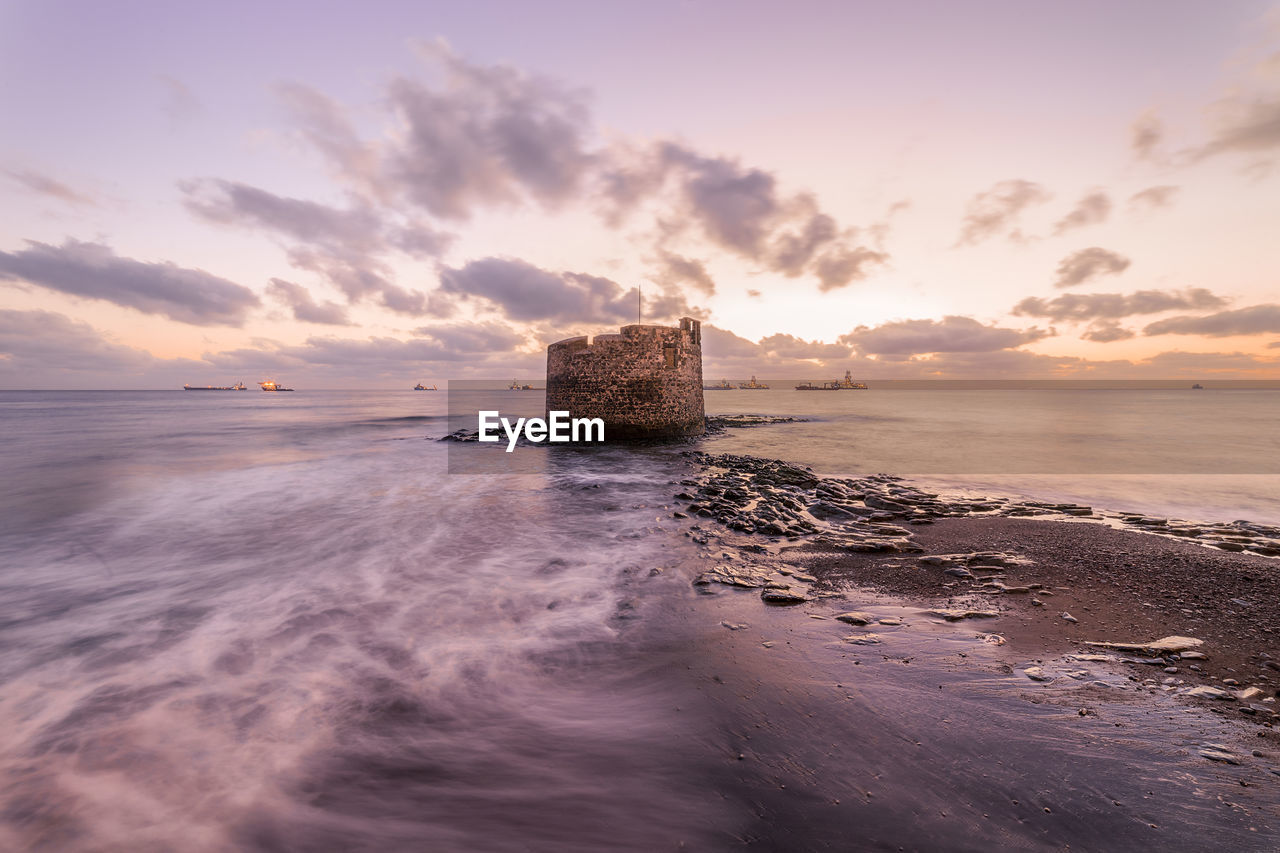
{"points": [[645, 382]]}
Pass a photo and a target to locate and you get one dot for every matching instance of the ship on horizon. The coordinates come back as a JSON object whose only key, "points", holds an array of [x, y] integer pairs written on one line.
{"points": [[725, 385], [271, 385], [846, 384], [239, 386], [421, 387], [753, 385], [516, 386]]}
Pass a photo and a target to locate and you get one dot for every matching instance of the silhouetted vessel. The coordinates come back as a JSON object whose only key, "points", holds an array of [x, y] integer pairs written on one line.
{"points": [[271, 385], [846, 384], [753, 385], [725, 385], [516, 386], [1197, 387], [239, 386], [421, 387]]}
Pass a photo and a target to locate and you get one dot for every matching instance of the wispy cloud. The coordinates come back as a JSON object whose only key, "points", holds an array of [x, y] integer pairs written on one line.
{"points": [[1153, 198], [495, 137], [304, 306], [42, 184], [1107, 331], [995, 212], [1079, 307], [1254, 320], [950, 334], [1146, 134], [1088, 264], [1091, 209], [95, 271], [523, 292], [347, 246]]}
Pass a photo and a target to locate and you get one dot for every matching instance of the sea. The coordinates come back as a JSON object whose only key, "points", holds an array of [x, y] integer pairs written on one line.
{"points": [[262, 621]]}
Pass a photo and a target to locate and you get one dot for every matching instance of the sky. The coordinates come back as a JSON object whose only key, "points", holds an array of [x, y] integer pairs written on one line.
{"points": [[374, 194]]}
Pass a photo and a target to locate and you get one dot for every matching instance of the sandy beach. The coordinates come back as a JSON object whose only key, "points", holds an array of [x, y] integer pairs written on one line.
{"points": [[1119, 585], [1036, 739]]}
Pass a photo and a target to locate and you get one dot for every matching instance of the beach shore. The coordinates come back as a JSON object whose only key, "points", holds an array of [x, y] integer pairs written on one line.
{"points": [[1117, 586], [867, 612]]}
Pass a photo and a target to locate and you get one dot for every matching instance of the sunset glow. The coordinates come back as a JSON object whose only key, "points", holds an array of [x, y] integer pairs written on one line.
{"points": [[360, 197]]}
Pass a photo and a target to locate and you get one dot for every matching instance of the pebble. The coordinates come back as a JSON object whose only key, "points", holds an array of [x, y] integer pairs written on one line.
{"points": [[1068, 617], [863, 639], [1035, 673], [856, 617]]}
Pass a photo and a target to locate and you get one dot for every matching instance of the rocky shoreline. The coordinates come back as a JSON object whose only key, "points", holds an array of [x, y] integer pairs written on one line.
{"points": [[1183, 608]]}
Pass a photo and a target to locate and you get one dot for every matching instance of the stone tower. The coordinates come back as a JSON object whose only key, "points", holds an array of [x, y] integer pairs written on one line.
{"points": [[645, 382]]}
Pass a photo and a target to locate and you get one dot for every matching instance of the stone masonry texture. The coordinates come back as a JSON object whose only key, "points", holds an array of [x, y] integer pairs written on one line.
{"points": [[645, 382]]}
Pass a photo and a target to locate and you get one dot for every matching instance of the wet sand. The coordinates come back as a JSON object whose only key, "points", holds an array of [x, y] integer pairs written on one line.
{"points": [[1119, 585], [931, 740], [909, 731]]}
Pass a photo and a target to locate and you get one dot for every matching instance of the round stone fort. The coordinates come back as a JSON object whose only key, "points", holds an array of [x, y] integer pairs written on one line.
{"points": [[644, 383]]}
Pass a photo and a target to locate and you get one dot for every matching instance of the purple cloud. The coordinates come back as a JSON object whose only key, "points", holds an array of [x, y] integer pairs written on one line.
{"points": [[94, 271]]}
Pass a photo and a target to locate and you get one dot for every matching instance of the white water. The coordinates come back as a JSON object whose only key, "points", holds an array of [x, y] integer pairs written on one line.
{"points": [[275, 621]]}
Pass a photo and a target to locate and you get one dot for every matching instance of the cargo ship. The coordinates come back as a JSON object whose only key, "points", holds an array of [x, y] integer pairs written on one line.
{"points": [[516, 386], [271, 385], [846, 384], [725, 385], [239, 386], [753, 385], [421, 387]]}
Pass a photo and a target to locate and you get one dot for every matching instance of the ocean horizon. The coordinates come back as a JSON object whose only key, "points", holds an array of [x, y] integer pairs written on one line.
{"points": [[665, 426]]}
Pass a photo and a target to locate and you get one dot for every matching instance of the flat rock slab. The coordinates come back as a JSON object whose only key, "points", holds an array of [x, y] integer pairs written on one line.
{"points": [[1164, 644], [957, 615], [783, 596]]}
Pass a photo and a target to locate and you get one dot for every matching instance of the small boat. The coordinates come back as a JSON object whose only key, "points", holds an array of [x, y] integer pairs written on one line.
{"points": [[271, 385], [846, 384], [516, 386], [1197, 387], [239, 386], [421, 387], [753, 385], [725, 385]]}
